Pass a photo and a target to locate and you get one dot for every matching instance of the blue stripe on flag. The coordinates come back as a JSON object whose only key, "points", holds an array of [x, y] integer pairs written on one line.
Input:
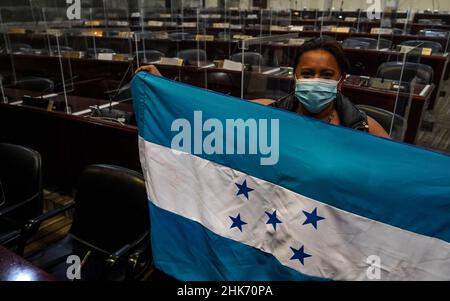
{"points": [[383, 180], [209, 256]]}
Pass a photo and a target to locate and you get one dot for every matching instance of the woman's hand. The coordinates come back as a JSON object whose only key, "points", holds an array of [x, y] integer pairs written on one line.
{"points": [[150, 69], [263, 101]]}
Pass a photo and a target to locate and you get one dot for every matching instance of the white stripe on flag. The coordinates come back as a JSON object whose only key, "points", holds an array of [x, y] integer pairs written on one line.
{"points": [[205, 192]]}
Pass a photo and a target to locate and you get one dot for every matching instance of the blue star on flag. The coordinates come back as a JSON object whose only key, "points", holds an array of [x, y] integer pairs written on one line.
{"points": [[237, 222], [300, 254], [273, 219], [312, 218], [243, 189]]}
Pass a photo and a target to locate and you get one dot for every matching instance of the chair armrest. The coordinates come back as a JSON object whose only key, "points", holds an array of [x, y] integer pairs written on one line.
{"points": [[32, 223], [9, 237], [35, 221], [133, 259], [139, 262], [18, 205], [126, 249]]}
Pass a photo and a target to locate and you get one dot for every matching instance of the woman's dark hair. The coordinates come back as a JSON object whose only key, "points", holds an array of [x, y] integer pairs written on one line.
{"points": [[327, 44]]}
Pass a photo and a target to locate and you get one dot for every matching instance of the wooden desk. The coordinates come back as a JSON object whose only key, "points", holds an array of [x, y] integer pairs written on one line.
{"points": [[386, 99], [15, 268], [444, 17], [258, 31], [91, 77], [69, 143], [223, 49], [396, 39]]}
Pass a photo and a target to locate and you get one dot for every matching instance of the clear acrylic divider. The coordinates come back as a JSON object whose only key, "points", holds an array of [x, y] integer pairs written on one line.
{"points": [[266, 66]]}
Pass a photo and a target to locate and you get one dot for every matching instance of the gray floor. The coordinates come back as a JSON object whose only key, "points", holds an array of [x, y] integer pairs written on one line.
{"points": [[439, 138]]}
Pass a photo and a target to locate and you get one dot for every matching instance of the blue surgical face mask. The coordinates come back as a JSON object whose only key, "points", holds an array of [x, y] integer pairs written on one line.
{"points": [[315, 94]]}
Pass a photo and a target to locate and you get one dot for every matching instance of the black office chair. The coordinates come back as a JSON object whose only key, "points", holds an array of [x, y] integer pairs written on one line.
{"points": [[373, 43], [308, 28], [20, 192], [220, 82], [192, 56], [355, 44], [149, 55], [62, 48], [224, 35], [385, 118], [425, 21], [180, 36], [250, 58], [397, 31], [431, 32], [326, 38], [435, 46], [110, 226], [20, 47], [393, 70], [91, 52], [35, 83]]}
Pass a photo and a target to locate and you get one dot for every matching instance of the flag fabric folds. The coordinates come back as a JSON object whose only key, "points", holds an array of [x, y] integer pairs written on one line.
{"points": [[325, 203]]}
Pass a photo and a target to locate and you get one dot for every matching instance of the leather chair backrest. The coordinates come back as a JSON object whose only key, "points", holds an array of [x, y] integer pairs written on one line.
{"points": [[36, 83], [393, 71], [111, 207], [250, 58], [190, 56], [435, 46], [21, 178]]}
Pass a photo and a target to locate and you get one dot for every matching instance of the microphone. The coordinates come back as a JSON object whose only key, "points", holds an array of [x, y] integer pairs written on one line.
{"points": [[4, 96], [120, 86], [110, 114], [114, 115], [341, 10]]}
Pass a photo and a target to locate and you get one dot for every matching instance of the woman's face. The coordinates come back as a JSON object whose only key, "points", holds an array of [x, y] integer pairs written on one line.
{"points": [[318, 64]]}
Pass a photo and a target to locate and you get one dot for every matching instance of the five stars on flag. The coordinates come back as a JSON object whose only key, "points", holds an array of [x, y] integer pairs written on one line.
{"points": [[311, 218]]}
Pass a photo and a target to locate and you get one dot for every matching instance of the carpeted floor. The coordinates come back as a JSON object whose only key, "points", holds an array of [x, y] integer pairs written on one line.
{"points": [[53, 229]]}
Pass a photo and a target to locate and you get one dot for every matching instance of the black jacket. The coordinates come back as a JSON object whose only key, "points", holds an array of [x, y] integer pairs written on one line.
{"points": [[349, 114]]}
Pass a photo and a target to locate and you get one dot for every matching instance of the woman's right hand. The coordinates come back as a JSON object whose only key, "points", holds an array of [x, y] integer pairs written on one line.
{"points": [[263, 101], [150, 69]]}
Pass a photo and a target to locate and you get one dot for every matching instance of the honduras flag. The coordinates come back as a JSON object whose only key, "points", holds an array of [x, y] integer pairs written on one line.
{"points": [[301, 200]]}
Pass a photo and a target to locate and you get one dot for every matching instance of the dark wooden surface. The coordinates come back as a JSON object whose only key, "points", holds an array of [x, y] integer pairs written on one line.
{"points": [[69, 143], [93, 74], [15, 268], [92, 78], [387, 99]]}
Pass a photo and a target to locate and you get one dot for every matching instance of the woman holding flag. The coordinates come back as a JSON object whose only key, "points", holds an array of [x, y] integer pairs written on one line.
{"points": [[320, 70]]}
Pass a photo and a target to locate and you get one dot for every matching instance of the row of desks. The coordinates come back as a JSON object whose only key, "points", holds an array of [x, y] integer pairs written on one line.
{"points": [[363, 62], [222, 49], [255, 32], [94, 77], [69, 142], [363, 26]]}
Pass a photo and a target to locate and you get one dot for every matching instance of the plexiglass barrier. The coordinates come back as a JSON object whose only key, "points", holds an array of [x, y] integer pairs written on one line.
{"points": [[87, 58]]}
